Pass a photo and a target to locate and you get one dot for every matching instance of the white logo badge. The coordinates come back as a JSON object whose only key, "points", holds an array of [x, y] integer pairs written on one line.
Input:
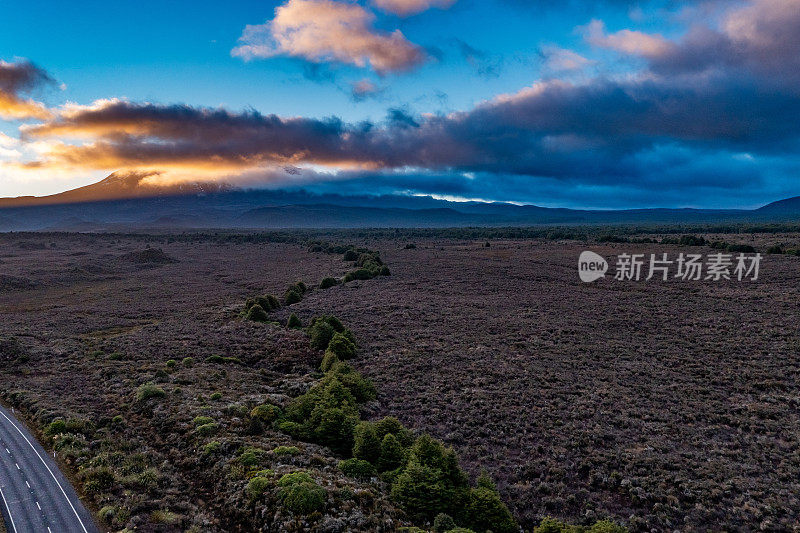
{"points": [[591, 266]]}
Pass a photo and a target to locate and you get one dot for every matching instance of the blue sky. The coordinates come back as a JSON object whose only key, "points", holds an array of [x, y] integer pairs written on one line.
{"points": [[603, 103]]}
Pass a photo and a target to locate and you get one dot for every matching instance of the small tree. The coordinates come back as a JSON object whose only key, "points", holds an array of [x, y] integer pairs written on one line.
{"points": [[327, 283], [294, 322], [256, 313], [342, 346], [366, 445]]}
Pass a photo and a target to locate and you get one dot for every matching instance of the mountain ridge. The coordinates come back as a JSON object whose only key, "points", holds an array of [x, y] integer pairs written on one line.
{"points": [[129, 200]]}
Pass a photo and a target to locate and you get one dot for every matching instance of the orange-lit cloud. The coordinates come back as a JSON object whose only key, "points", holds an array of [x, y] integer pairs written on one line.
{"points": [[329, 31], [17, 79], [405, 8]]}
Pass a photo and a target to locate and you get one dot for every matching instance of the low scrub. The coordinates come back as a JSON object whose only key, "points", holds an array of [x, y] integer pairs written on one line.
{"points": [[301, 494], [147, 391]]}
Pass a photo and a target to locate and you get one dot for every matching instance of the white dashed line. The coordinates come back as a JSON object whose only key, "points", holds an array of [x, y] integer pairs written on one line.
{"points": [[17, 465], [39, 506], [28, 484]]}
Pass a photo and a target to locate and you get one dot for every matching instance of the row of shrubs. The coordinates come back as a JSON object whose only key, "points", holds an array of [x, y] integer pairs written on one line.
{"points": [[367, 263], [424, 475], [683, 240], [258, 307]]}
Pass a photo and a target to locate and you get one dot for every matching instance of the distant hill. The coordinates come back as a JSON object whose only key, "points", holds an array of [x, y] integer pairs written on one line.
{"points": [[789, 206], [127, 201], [336, 216]]}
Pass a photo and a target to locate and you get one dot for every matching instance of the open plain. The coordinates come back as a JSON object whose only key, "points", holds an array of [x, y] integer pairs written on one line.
{"points": [[662, 405]]}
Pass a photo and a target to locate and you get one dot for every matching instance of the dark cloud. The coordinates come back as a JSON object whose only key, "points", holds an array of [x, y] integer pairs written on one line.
{"points": [[600, 132], [22, 77], [16, 81]]}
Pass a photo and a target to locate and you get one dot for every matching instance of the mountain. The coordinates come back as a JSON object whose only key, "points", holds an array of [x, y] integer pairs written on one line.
{"points": [[127, 201], [787, 207], [117, 186]]}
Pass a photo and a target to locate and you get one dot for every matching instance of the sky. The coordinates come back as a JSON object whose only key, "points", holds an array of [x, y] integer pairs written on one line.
{"points": [[579, 103]]}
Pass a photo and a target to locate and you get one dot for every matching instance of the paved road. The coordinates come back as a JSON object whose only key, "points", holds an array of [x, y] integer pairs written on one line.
{"points": [[35, 495]]}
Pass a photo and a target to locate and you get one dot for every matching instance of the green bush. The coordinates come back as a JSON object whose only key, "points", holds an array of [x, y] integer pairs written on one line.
{"points": [[106, 514], [350, 255], [298, 286], [171, 363], [393, 455], [267, 302], [421, 493], [56, 427], [301, 494], [362, 389], [321, 334], [327, 283], [392, 425], [286, 450], [357, 468], [265, 413], [358, 274], [250, 456], [775, 249], [207, 429], [294, 322], [332, 321], [212, 447], [341, 345], [333, 427], [257, 486], [385, 271], [366, 445], [607, 526], [147, 391], [432, 482], [188, 362], [485, 510], [443, 523], [292, 297], [551, 525], [202, 420], [328, 360], [215, 397], [96, 480], [256, 313]]}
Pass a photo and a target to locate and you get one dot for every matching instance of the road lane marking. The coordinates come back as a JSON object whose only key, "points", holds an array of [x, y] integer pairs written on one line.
{"points": [[26, 482], [10, 518], [48, 469], [39, 506], [17, 465]]}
